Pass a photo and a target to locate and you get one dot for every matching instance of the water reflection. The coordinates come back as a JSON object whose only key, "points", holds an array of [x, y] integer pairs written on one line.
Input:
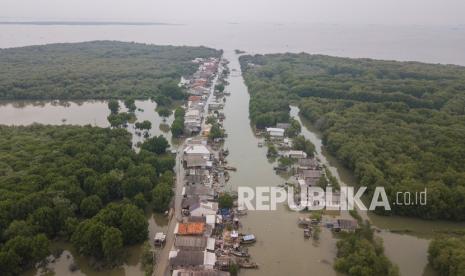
{"points": [[89, 112]]}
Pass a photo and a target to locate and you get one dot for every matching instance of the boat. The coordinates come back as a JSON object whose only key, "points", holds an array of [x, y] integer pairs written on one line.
{"points": [[240, 212], [307, 233], [305, 222], [230, 168], [260, 144], [248, 239], [242, 253], [247, 264], [282, 169], [226, 152]]}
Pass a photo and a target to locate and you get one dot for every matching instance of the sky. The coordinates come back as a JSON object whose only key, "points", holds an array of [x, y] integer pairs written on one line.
{"points": [[389, 12]]}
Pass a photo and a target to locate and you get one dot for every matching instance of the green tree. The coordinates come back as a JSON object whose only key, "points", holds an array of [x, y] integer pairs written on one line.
{"points": [[90, 206], [294, 129], [113, 105], [130, 104], [446, 255], [220, 87], [225, 201], [147, 259], [140, 201], [112, 244], [272, 152], [134, 225], [144, 125], [172, 90], [300, 143], [161, 197], [164, 111], [87, 238], [177, 127], [157, 144], [216, 132], [44, 219]]}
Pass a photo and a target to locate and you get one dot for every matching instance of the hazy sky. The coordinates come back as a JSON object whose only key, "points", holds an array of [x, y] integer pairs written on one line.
{"points": [[431, 12]]}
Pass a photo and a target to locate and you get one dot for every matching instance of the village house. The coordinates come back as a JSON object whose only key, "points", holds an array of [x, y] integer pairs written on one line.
{"points": [[190, 228], [204, 193], [275, 132], [191, 259], [190, 243], [197, 272], [310, 175], [195, 161], [345, 225], [200, 150], [197, 176], [296, 154], [196, 105], [283, 125], [197, 156], [331, 201], [192, 121], [202, 209], [306, 164], [197, 91], [215, 106]]}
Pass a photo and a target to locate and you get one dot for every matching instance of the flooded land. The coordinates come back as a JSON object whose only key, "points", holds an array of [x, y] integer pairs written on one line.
{"points": [[280, 249]]}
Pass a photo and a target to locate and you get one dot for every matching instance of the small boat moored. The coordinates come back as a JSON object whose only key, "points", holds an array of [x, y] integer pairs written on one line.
{"points": [[307, 233], [248, 239], [247, 264]]}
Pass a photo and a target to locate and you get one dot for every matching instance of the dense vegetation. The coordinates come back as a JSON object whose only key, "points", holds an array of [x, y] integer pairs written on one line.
{"points": [[96, 70], [362, 254], [82, 184], [447, 255], [177, 127], [400, 125]]}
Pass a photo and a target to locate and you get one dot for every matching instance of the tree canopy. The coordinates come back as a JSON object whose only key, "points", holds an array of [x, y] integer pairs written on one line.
{"points": [[447, 255], [362, 254], [96, 70], [400, 125], [74, 183]]}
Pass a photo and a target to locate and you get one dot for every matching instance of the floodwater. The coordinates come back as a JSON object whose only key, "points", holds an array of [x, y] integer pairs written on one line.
{"points": [[407, 249], [90, 112], [131, 266], [281, 248]]}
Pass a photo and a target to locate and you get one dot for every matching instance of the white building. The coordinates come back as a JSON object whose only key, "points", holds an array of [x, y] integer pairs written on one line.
{"points": [[275, 132], [297, 154]]}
